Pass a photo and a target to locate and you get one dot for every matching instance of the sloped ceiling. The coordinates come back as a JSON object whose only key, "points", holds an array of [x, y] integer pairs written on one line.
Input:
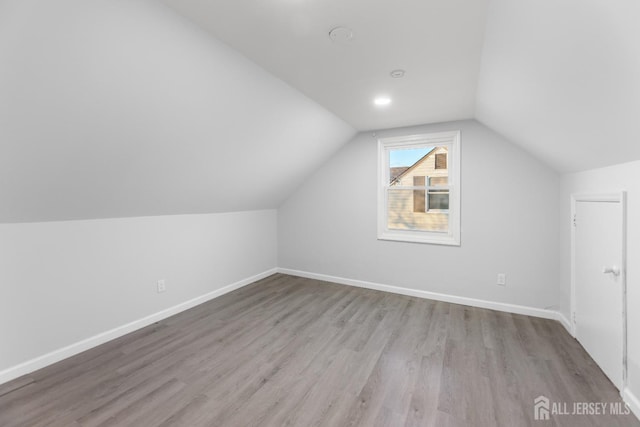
{"points": [[562, 79], [118, 108], [113, 109], [558, 77], [437, 42]]}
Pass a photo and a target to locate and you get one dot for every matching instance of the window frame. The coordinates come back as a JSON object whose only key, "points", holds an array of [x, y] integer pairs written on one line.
{"points": [[449, 139]]}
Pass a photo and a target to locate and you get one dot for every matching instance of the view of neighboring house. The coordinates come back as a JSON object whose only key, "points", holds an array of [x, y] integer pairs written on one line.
{"points": [[427, 208]]}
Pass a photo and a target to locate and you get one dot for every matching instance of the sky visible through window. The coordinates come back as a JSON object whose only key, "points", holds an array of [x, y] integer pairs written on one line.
{"points": [[407, 157]]}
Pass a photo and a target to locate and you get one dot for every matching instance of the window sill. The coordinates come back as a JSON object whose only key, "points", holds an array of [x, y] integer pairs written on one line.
{"points": [[432, 238]]}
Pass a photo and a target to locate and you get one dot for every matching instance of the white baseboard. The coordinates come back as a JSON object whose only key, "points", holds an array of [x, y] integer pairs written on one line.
{"points": [[632, 402], [492, 305], [560, 317], [94, 341]]}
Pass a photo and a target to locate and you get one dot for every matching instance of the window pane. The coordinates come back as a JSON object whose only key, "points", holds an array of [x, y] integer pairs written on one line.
{"points": [[404, 159], [407, 164], [435, 181], [401, 215], [438, 200]]}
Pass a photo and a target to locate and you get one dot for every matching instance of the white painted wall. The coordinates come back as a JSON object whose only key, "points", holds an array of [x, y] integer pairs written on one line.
{"points": [[125, 108], [560, 78], [62, 282], [614, 178], [509, 224]]}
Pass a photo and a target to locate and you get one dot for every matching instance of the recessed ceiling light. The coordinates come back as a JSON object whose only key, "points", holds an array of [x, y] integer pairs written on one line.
{"points": [[397, 74], [341, 34], [381, 101]]}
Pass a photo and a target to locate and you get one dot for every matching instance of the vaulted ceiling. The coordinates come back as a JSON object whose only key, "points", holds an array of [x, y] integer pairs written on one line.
{"points": [[561, 78], [116, 109], [437, 42], [152, 107]]}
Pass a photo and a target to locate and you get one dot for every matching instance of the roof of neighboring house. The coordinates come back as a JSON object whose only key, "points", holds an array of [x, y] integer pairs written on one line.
{"points": [[410, 168], [397, 171]]}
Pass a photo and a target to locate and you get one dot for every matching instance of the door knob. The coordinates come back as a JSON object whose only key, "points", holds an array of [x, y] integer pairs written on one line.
{"points": [[614, 269]]}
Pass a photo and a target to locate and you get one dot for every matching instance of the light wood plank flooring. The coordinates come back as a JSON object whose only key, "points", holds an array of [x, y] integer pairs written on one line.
{"points": [[287, 351]]}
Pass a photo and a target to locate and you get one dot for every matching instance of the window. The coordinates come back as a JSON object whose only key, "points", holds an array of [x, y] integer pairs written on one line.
{"points": [[419, 188]]}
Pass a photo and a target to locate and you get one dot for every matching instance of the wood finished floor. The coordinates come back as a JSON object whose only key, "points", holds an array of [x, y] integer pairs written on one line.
{"points": [[287, 351]]}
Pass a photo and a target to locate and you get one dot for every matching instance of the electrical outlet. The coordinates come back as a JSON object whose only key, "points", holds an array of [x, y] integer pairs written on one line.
{"points": [[502, 279], [162, 286]]}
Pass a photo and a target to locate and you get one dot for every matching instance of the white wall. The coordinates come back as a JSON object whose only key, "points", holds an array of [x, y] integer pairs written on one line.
{"points": [[125, 108], [62, 282], [614, 178], [560, 77], [509, 224]]}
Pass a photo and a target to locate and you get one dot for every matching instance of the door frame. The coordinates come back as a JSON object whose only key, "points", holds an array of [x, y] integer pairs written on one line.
{"points": [[612, 197]]}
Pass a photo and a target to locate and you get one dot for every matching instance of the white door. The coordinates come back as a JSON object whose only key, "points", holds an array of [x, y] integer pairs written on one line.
{"points": [[599, 283]]}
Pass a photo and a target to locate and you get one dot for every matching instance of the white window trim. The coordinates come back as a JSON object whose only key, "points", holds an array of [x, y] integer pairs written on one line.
{"points": [[452, 141]]}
